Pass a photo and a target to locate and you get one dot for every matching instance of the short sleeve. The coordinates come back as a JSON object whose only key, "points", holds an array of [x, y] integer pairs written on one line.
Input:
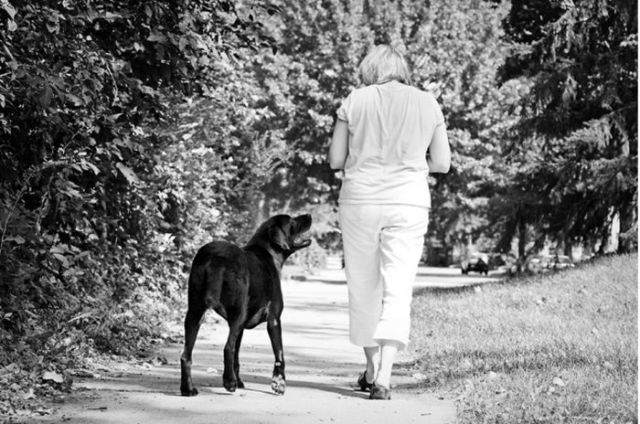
{"points": [[344, 109], [439, 117]]}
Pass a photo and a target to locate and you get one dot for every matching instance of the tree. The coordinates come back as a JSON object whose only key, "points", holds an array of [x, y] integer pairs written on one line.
{"points": [[84, 91], [580, 116]]}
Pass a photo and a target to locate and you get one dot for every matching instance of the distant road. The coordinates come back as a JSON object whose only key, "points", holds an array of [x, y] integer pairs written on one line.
{"points": [[427, 277]]}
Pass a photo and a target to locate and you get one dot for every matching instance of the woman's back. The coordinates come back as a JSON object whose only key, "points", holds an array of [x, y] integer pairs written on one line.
{"points": [[390, 128]]}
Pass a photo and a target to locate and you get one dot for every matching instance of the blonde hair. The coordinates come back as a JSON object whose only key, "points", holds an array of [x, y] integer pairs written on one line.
{"points": [[382, 64]]}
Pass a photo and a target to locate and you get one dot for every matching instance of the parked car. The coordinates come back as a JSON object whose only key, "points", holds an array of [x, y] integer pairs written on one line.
{"points": [[562, 262], [537, 264], [476, 262], [504, 263]]}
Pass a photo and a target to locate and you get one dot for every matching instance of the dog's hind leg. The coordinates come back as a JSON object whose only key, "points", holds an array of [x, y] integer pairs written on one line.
{"points": [[191, 326], [278, 383], [236, 362], [229, 379]]}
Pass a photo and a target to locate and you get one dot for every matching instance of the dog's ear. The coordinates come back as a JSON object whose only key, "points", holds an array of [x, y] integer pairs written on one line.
{"points": [[277, 237]]}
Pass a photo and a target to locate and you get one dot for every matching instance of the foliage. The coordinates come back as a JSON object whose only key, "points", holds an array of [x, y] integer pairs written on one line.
{"points": [[85, 91], [555, 348], [456, 53], [573, 154]]}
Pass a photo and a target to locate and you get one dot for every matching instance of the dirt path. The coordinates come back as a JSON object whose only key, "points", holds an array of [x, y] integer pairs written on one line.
{"points": [[321, 371]]}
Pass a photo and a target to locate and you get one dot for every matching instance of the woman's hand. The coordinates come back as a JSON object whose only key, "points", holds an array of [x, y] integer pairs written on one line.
{"points": [[339, 148]]}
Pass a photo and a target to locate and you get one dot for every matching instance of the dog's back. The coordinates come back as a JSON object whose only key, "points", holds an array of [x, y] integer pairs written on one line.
{"points": [[219, 277]]}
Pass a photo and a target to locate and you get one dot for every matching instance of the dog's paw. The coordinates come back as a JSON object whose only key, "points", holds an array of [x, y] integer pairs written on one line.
{"points": [[278, 384], [230, 385], [189, 391], [240, 384]]}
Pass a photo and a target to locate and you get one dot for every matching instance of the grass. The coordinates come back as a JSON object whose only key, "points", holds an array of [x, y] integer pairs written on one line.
{"points": [[555, 348]]}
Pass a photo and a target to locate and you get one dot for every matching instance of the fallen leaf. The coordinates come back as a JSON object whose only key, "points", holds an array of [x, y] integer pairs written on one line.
{"points": [[10, 369], [44, 411], [29, 394], [53, 376], [558, 382], [84, 374]]}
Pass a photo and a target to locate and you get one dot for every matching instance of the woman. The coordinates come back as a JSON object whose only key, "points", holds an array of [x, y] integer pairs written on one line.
{"points": [[388, 137]]}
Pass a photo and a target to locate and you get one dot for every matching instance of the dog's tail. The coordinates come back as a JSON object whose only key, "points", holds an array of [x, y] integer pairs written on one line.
{"points": [[205, 284], [213, 278]]}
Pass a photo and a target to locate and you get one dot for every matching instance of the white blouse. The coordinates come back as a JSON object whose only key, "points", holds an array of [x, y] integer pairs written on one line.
{"points": [[390, 128]]}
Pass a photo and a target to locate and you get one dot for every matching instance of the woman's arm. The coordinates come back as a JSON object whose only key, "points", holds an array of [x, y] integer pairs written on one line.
{"points": [[439, 154], [339, 148]]}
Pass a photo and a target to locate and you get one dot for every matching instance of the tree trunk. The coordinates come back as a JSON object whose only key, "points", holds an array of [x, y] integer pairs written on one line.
{"points": [[628, 237], [522, 238], [568, 248], [522, 243]]}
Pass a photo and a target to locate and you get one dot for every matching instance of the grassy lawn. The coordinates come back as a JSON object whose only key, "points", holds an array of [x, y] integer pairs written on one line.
{"points": [[555, 348]]}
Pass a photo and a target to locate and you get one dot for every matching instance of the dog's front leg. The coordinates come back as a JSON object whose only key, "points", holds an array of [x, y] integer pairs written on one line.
{"points": [[236, 363], [278, 383]]}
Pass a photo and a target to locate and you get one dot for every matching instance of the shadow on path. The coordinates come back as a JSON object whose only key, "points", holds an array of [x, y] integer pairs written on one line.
{"points": [[321, 369]]}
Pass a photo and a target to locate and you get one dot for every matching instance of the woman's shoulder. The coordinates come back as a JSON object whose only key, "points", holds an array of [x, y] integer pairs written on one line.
{"points": [[428, 96], [362, 91]]}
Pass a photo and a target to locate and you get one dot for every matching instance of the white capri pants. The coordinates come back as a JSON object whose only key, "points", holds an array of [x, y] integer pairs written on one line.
{"points": [[382, 248]]}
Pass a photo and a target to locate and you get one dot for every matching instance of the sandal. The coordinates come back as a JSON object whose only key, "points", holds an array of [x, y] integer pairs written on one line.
{"points": [[380, 392], [362, 382]]}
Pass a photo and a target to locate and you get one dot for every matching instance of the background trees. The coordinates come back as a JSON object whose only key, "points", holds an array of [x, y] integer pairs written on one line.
{"points": [[455, 49]]}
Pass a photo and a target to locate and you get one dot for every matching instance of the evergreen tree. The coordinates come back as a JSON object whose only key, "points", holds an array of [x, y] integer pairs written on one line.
{"points": [[575, 148]]}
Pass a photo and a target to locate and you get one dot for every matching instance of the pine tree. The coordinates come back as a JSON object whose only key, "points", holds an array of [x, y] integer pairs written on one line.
{"points": [[579, 119]]}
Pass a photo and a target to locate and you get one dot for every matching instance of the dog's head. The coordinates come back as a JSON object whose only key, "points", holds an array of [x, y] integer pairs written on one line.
{"points": [[282, 234]]}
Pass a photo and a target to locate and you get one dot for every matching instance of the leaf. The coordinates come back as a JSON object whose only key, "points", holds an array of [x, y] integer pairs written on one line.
{"points": [[89, 166], [558, 382], [12, 368], [81, 316], [45, 96], [29, 394], [63, 260], [15, 239], [110, 16], [157, 37], [147, 90], [7, 7], [74, 100], [53, 376], [127, 173]]}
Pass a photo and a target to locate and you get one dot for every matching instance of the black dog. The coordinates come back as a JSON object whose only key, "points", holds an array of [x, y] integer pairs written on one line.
{"points": [[243, 286]]}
